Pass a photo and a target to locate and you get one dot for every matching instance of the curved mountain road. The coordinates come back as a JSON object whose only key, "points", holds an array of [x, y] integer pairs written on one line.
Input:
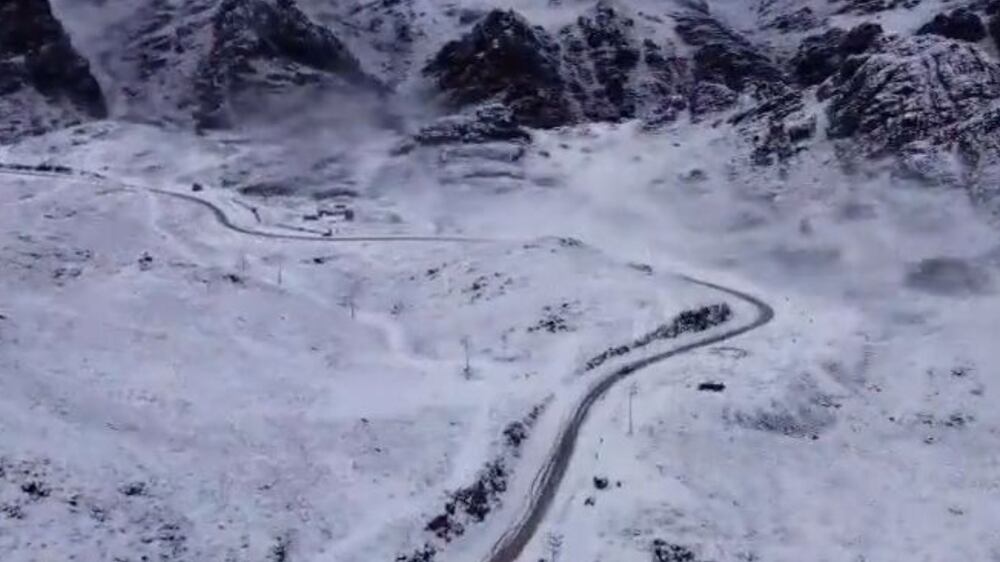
{"points": [[223, 219], [546, 483]]}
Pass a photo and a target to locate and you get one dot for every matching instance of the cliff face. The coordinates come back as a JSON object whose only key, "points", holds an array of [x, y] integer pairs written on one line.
{"points": [[878, 88], [44, 82]]}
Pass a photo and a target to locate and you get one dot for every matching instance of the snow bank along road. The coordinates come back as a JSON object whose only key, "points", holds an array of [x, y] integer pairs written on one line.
{"points": [[546, 483]]}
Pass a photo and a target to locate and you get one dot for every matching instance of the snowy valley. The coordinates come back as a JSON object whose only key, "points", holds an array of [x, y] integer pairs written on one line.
{"points": [[485, 281]]}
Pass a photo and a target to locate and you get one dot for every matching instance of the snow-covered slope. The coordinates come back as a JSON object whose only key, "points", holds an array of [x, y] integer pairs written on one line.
{"points": [[326, 279]]}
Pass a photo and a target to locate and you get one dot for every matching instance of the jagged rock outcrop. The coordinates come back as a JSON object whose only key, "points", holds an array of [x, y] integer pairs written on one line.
{"points": [[260, 45], [819, 56], [507, 60], [215, 60], [486, 124], [608, 65], [961, 24], [909, 90], [930, 103], [872, 6], [726, 64], [603, 39], [44, 81]]}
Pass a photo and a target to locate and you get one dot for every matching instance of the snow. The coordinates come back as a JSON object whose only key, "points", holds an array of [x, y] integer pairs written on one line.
{"points": [[234, 397]]}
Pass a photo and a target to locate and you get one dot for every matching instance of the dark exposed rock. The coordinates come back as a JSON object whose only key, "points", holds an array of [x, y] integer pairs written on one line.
{"points": [[668, 552], [424, 554], [924, 88], [667, 83], [994, 28], [598, 68], [725, 60], [960, 24], [293, 50], [689, 321], [601, 55], [872, 6], [709, 97], [485, 124], [36, 55], [601, 482], [604, 38], [504, 59], [948, 276], [218, 60], [800, 20], [819, 56], [711, 387]]}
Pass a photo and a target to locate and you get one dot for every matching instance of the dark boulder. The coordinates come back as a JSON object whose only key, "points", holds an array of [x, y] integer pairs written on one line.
{"points": [[819, 56], [600, 67], [960, 24], [504, 59]]}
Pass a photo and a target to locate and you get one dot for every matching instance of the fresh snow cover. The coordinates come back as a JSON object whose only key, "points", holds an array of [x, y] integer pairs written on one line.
{"points": [[172, 390]]}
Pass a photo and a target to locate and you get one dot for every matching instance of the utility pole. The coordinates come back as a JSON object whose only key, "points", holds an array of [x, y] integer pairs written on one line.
{"points": [[633, 390], [468, 367]]}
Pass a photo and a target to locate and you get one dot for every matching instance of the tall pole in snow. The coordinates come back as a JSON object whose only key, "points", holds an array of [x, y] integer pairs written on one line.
{"points": [[632, 391]]}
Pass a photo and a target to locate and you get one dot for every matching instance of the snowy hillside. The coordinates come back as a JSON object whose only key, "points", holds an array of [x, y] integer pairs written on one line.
{"points": [[486, 281]]}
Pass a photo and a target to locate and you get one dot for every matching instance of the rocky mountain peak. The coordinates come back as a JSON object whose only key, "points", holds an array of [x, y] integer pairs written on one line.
{"points": [[44, 82]]}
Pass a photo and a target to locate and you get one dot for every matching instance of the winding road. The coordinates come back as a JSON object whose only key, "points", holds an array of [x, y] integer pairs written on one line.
{"points": [[546, 482]]}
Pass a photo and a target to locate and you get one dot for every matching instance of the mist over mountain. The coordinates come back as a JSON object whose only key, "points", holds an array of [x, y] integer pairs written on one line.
{"points": [[912, 81], [499, 280]]}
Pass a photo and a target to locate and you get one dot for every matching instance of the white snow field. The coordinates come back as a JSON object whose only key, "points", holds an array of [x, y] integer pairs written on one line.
{"points": [[175, 390]]}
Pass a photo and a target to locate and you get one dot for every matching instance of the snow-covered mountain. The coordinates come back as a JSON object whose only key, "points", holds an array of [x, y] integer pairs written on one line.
{"points": [[314, 280], [912, 81], [45, 84]]}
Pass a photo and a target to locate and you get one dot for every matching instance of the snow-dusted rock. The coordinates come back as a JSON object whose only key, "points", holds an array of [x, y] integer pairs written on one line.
{"points": [[215, 60], [44, 81], [504, 58], [961, 24], [923, 88], [610, 64], [819, 56]]}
